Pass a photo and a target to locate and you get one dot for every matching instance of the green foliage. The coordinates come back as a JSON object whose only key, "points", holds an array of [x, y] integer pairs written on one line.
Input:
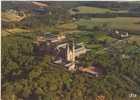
{"points": [[26, 78], [122, 23], [90, 10], [23, 78]]}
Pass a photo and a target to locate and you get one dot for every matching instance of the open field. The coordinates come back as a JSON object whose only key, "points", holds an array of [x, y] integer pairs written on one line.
{"points": [[13, 31], [11, 16], [86, 9], [134, 38], [87, 36], [92, 10], [124, 23], [67, 26]]}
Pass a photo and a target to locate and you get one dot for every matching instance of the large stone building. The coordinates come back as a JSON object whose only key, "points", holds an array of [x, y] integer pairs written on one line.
{"points": [[69, 53], [64, 52]]}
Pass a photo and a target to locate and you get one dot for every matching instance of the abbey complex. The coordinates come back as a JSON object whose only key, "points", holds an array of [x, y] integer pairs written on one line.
{"points": [[64, 51]]}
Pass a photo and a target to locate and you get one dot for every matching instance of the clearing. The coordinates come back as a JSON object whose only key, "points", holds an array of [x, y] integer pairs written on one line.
{"points": [[124, 23]]}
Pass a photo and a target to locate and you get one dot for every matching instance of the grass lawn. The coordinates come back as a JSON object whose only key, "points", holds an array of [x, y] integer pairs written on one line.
{"points": [[90, 10], [17, 30], [125, 23], [67, 26], [134, 38], [102, 36], [9, 16], [88, 39], [12, 31]]}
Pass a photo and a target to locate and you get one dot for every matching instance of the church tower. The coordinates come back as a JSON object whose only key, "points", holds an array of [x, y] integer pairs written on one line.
{"points": [[68, 56], [73, 52], [72, 67]]}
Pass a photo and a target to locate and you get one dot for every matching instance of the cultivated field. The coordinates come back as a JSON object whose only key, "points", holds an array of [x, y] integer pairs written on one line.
{"points": [[93, 10], [67, 26], [13, 31], [125, 23], [10, 16], [86, 9]]}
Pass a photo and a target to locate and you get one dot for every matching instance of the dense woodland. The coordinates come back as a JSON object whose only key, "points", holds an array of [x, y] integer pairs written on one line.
{"points": [[26, 76]]}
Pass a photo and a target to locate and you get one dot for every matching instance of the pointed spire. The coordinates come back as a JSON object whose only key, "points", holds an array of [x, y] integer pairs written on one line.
{"points": [[73, 52], [71, 56], [68, 52]]}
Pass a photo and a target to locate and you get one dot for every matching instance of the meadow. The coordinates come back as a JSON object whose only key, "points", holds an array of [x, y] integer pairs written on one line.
{"points": [[93, 10], [124, 23], [11, 16], [86, 9]]}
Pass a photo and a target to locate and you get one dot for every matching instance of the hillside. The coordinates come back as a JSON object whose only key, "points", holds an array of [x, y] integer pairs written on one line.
{"points": [[28, 70], [12, 16], [89, 10], [124, 23]]}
